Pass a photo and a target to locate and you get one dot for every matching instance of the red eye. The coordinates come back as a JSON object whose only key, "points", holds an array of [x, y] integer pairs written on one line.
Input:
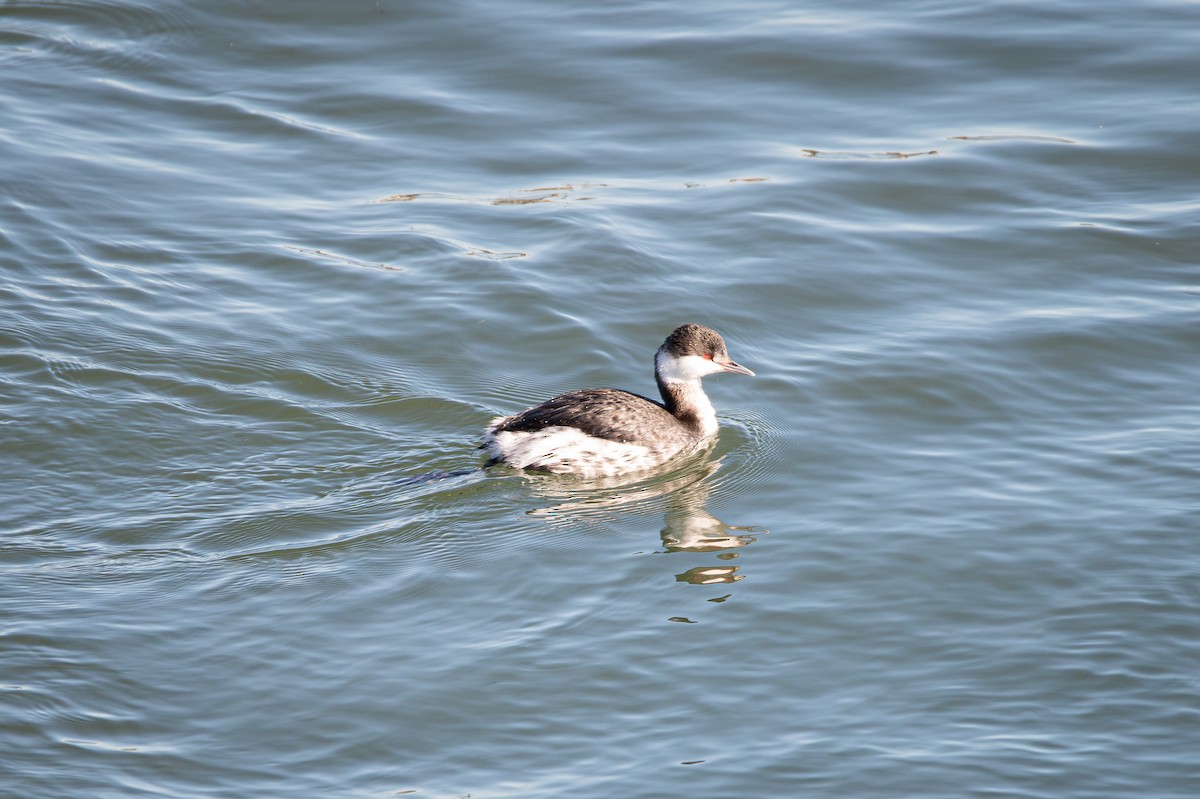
{"points": [[707, 356]]}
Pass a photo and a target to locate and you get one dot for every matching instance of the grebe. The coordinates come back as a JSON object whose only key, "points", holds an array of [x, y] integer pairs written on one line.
{"points": [[604, 432]]}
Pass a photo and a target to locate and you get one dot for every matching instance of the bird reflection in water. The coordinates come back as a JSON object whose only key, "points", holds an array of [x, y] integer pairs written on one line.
{"points": [[688, 526], [691, 528]]}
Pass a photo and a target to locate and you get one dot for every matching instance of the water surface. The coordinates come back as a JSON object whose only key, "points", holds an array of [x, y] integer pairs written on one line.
{"points": [[269, 270]]}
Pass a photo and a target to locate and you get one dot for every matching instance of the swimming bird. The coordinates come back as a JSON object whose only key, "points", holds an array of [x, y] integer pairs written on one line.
{"points": [[604, 432]]}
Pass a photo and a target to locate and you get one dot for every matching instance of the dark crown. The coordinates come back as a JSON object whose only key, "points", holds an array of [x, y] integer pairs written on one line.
{"points": [[694, 340]]}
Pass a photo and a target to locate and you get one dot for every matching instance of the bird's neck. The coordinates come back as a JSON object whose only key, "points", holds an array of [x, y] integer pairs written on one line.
{"points": [[687, 402]]}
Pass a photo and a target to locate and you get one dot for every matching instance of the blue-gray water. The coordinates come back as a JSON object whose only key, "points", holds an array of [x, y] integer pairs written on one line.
{"points": [[266, 266]]}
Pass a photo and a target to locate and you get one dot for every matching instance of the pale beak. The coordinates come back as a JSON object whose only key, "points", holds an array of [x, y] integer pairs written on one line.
{"points": [[736, 368]]}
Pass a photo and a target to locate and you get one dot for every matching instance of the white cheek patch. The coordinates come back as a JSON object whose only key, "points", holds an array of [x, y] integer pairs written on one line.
{"points": [[686, 369]]}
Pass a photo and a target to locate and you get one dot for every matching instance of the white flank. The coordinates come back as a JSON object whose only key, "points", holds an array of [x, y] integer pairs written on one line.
{"points": [[566, 450]]}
